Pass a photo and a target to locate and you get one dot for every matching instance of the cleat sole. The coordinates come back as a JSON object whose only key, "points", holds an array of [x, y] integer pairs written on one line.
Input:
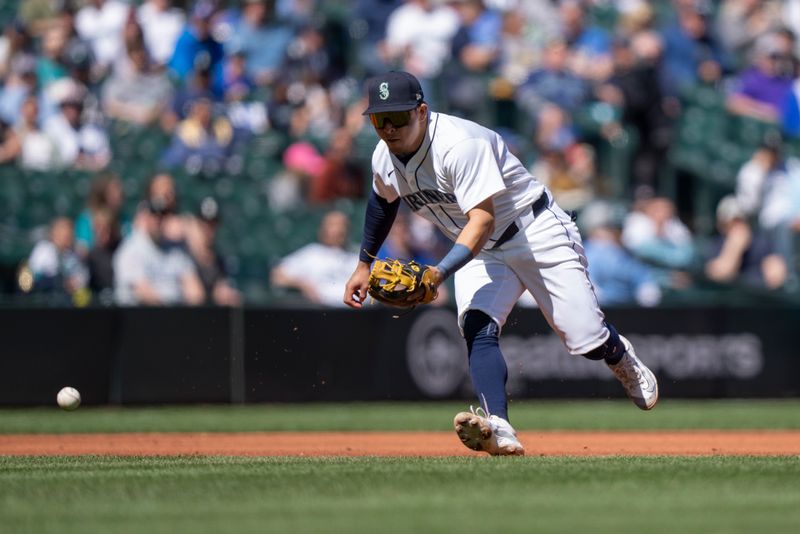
{"points": [[471, 431]]}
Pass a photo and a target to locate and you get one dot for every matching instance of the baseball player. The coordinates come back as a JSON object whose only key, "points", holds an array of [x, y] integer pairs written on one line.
{"points": [[509, 235]]}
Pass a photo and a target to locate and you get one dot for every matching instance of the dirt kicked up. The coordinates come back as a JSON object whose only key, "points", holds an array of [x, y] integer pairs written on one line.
{"points": [[779, 443]]}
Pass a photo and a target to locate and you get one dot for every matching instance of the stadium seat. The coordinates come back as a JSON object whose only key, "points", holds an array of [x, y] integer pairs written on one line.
{"points": [[12, 192], [751, 132]]}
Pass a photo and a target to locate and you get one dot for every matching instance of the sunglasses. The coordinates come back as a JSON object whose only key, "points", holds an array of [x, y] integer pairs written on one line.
{"points": [[397, 118]]}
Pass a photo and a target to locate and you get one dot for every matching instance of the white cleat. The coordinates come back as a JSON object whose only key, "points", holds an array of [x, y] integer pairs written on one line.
{"points": [[490, 434], [639, 382]]}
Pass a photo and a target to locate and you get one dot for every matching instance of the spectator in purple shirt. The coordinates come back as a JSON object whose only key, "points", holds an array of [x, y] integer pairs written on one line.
{"points": [[761, 89]]}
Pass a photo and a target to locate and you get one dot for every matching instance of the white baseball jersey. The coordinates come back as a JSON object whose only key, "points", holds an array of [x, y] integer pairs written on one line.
{"points": [[459, 165]]}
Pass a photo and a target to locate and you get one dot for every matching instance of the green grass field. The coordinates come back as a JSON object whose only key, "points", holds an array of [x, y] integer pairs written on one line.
{"points": [[527, 415], [93, 494]]}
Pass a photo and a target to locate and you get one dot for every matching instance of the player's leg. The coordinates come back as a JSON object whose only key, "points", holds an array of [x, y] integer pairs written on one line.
{"points": [[487, 367], [638, 380], [553, 267], [486, 291]]}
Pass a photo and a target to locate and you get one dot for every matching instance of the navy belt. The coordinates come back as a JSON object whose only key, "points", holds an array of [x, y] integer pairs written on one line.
{"points": [[536, 208]]}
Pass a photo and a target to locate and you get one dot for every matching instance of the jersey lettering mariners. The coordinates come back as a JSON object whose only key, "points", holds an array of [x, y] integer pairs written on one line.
{"points": [[459, 165]]}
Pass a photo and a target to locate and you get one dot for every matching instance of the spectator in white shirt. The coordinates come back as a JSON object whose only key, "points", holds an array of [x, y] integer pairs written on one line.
{"points": [[320, 270], [138, 95], [54, 264], [101, 22], [418, 36], [38, 151], [152, 270], [80, 144], [162, 24]]}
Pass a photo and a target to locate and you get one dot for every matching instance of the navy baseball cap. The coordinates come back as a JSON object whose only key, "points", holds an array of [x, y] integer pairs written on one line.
{"points": [[393, 91]]}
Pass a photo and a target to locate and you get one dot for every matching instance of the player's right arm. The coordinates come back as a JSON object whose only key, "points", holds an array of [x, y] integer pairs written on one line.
{"points": [[378, 221], [479, 228], [476, 179], [473, 237]]}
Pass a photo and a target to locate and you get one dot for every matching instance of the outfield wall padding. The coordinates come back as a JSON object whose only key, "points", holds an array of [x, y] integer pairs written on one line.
{"points": [[219, 355]]}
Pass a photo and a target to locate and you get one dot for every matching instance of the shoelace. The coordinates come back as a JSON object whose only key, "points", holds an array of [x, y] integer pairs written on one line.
{"points": [[483, 410], [479, 411], [499, 430]]}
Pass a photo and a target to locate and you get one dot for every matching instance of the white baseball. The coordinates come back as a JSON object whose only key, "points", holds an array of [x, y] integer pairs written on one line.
{"points": [[68, 398]]}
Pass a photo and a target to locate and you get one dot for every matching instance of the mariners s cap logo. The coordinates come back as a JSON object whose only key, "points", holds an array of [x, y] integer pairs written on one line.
{"points": [[383, 90]]}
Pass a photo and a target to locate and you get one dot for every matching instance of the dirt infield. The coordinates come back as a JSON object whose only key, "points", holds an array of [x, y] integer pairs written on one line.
{"points": [[782, 443]]}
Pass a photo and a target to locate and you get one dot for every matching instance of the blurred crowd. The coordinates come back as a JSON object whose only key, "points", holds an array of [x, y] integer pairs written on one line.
{"points": [[159, 257], [559, 79]]}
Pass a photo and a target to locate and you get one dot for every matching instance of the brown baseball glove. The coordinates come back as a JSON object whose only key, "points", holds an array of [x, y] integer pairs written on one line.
{"points": [[401, 284]]}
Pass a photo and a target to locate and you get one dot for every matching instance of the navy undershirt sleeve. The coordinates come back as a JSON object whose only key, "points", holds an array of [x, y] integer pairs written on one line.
{"points": [[459, 256], [377, 223]]}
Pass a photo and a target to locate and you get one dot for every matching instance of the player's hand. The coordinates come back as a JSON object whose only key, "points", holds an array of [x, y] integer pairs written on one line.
{"points": [[355, 291], [435, 276]]}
